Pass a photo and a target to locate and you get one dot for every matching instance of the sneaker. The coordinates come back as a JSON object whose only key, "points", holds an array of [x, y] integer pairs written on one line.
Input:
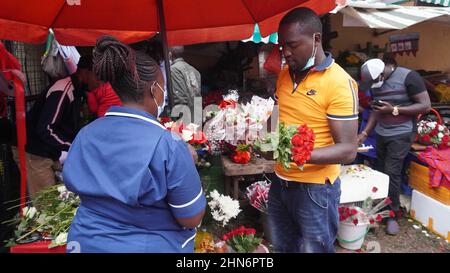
{"points": [[392, 227]]}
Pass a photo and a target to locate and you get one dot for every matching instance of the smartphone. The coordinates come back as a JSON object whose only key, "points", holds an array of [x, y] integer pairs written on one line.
{"points": [[377, 103]]}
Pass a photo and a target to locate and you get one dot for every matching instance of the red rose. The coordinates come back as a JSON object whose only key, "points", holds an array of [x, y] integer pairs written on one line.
{"points": [[391, 213], [355, 221], [434, 132], [198, 138], [426, 138], [225, 237], [371, 221], [388, 201], [378, 218], [297, 140], [445, 139], [374, 189], [353, 212], [341, 218]]}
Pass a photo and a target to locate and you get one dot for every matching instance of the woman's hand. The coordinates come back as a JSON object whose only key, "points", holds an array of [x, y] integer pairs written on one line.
{"points": [[193, 153]]}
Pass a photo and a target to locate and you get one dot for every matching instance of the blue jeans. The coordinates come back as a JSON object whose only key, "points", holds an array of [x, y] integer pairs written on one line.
{"points": [[304, 217]]}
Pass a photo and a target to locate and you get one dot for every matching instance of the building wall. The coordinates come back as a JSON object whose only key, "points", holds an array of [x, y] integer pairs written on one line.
{"points": [[434, 43]]}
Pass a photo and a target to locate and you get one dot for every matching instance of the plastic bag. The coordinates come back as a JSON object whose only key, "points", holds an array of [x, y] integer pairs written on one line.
{"points": [[53, 63]]}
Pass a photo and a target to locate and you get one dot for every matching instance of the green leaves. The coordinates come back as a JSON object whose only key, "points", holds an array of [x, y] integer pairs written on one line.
{"points": [[280, 143], [245, 243], [55, 208]]}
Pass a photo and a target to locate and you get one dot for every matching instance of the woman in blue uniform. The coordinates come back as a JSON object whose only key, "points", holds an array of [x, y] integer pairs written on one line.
{"points": [[139, 188]]}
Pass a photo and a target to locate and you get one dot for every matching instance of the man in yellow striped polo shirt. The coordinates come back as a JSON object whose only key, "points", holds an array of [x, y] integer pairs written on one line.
{"points": [[312, 90]]}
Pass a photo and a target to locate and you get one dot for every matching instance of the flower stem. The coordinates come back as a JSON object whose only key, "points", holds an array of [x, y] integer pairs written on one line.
{"points": [[33, 230]]}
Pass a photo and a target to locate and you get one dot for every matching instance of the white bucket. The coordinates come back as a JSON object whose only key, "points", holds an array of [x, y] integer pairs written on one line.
{"points": [[351, 236]]}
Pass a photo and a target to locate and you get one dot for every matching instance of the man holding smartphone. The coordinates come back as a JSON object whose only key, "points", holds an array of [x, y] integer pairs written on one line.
{"points": [[399, 95]]}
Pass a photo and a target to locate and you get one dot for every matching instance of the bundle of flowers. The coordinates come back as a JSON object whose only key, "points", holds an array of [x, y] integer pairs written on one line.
{"points": [[291, 145], [223, 207], [194, 137], [368, 214], [235, 122], [258, 194], [242, 239], [50, 218], [432, 133], [241, 154]]}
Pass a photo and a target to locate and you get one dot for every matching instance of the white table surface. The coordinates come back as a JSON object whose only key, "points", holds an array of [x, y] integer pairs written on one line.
{"points": [[358, 181]]}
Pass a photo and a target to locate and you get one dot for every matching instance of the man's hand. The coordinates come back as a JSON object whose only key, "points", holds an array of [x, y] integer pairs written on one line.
{"points": [[386, 108], [361, 138]]}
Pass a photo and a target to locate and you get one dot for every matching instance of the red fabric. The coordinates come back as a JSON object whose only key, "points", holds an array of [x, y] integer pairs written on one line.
{"points": [[101, 99], [80, 22], [439, 166], [364, 100], [7, 61], [37, 247], [273, 61]]}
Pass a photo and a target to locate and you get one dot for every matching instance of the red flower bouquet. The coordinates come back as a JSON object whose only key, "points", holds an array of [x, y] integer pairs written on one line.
{"points": [[242, 239], [432, 133], [291, 145], [241, 154], [368, 213], [258, 194]]}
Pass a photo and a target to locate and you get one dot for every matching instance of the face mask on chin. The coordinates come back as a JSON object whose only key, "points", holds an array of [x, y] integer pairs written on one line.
{"points": [[311, 61], [378, 84]]}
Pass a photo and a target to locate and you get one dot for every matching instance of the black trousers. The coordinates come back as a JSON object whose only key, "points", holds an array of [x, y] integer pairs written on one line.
{"points": [[391, 154]]}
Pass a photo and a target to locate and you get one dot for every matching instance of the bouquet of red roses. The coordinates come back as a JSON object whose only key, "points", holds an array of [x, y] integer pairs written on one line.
{"points": [[242, 239], [258, 194], [367, 213], [241, 154], [290, 144]]}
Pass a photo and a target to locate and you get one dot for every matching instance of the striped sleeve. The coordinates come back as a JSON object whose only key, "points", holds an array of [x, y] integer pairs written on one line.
{"points": [[185, 194], [343, 102]]}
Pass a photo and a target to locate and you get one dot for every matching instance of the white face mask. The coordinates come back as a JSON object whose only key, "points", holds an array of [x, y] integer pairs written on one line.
{"points": [[312, 59], [160, 108], [377, 84]]}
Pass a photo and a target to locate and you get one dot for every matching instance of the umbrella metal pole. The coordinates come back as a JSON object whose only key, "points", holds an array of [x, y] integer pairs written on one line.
{"points": [[162, 24]]}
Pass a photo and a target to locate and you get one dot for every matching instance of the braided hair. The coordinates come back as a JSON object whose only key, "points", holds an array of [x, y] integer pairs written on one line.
{"points": [[130, 73]]}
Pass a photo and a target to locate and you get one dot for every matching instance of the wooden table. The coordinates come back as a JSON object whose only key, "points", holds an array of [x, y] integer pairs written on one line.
{"points": [[233, 172]]}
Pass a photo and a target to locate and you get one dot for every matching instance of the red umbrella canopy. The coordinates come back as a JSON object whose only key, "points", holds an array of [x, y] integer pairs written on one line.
{"points": [[80, 22]]}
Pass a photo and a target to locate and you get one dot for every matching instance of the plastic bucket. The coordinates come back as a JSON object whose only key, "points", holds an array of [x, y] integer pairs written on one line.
{"points": [[351, 236]]}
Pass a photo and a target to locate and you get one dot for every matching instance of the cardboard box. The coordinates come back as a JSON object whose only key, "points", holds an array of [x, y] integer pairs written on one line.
{"points": [[431, 213]]}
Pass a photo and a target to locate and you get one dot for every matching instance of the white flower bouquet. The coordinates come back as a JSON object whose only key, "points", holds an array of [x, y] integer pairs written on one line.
{"points": [[223, 207]]}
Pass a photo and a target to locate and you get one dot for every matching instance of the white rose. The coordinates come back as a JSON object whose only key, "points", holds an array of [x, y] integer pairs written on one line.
{"points": [[432, 125], [25, 211], [420, 129], [31, 213], [187, 135], [441, 128], [440, 135], [193, 127], [61, 239], [62, 189], [168, 124]]}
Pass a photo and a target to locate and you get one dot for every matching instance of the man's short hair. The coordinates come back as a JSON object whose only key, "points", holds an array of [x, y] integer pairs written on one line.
{"points": [[177, 51], [309, 22]]}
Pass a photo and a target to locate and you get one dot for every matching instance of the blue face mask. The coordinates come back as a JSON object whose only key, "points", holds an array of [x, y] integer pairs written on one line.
{"points": [[312, 59], [160, 108]]}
